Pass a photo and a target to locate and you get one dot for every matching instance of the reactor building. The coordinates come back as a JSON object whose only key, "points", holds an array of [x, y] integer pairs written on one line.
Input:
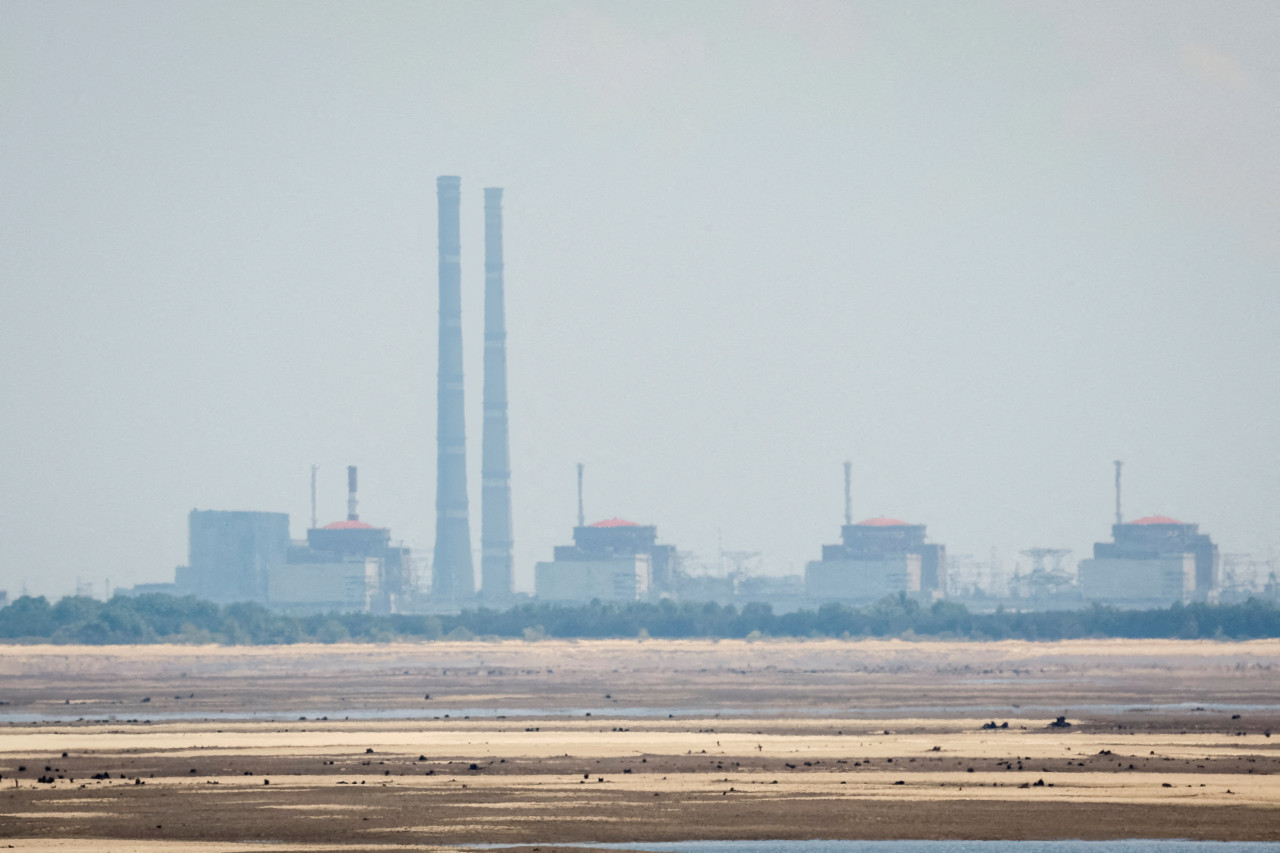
{"points": [[1151, 562], [610, 560], [1155, 561], [875, 558]]}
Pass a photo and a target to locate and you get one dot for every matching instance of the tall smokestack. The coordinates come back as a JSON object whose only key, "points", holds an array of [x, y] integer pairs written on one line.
{"points": [[848, 493], [352, 515], [495, 462], [452, 574], [582, 519], [1119, 518], [315, 521]]}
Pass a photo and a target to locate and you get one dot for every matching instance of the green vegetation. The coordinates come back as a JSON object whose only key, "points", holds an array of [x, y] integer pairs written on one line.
{"points": [[170, 619]]}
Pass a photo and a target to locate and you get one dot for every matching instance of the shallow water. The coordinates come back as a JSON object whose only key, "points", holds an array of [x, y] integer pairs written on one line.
{"points": [[90, 714]]}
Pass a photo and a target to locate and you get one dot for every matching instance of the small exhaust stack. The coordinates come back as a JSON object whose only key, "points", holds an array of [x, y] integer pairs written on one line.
{"points": [[582, 519], [848, 492], [1119, 517], [352, 515]]}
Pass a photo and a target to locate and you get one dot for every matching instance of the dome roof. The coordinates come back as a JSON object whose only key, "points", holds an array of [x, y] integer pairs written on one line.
{"points": [[615, 522], [348, 525], [1156, 519], [882, 522]]}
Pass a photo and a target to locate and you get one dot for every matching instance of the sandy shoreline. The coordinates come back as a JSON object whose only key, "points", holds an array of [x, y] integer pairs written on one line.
{"points": [[1182, 747]]}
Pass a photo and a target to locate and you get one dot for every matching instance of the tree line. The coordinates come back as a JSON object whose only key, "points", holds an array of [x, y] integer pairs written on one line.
{"points": [[158, 618]]}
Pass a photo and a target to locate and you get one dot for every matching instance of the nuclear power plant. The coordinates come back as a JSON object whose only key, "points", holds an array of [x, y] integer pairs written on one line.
{"points": [[349, 564]]}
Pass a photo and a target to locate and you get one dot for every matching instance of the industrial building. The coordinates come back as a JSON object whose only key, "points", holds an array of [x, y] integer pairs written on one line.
{"points": [[346, 566], [875, 558], [610, 560], [230, 555], [248, 556], [1152, 562], [351, 565]]}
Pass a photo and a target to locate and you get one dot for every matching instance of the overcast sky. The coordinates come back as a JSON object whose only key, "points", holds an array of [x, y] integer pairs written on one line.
{"points": [[981, 249]]}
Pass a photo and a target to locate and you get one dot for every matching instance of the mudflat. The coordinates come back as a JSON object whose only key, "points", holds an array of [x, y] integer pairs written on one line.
{"points": [[436, 745]]}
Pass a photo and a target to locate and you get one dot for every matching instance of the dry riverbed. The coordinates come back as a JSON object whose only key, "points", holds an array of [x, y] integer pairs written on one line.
{"points": [[533, 744]]}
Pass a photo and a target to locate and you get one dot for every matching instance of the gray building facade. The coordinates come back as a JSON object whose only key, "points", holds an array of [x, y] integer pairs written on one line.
{"points": [[232, 553]]}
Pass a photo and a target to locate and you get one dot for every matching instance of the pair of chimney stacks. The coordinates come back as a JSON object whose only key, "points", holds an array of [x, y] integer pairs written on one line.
{"points": [[453, 572]]}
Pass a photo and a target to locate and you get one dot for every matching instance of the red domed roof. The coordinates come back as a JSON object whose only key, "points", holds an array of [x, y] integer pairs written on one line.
{"points": [[882, 522], [615, 522], [1156, 519], [349, 525]]}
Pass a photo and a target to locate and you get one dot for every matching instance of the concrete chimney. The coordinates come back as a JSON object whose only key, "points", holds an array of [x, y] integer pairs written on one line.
{"points": [[496, 580], [452, 573], [352, 515]]}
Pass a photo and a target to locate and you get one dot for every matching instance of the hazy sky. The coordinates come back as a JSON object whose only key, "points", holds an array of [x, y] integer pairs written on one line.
{"points": [[980, 249]]}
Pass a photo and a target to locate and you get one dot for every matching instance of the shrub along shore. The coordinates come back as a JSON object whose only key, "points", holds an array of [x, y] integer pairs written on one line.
{"points": [[173, 619]]}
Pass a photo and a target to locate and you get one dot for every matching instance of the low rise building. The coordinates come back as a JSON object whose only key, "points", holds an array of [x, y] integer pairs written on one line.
{"points": [[318, 587]]}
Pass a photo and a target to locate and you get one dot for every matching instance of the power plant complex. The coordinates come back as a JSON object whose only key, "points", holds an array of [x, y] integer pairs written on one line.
{"points": [[352, 565]]}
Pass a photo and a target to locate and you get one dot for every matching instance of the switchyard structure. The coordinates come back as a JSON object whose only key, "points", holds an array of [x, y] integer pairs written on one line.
{"points": [[496, 562], [1048, 584], [452, 571]]}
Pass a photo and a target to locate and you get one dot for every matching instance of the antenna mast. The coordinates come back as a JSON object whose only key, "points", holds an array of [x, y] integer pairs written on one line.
{"points": [[582, 519], [1119, 518], [848, 492]]}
